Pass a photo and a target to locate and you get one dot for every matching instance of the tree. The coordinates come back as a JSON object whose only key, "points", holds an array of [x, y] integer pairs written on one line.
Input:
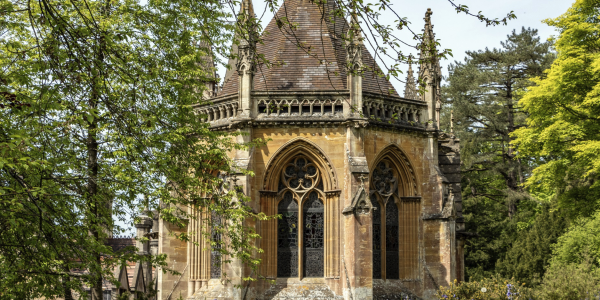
{"points": [[563, 127], [484, 92], [529, 255], [96, 116]]}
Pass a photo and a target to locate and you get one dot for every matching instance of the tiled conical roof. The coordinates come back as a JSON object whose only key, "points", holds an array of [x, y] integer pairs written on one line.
{"points": [[322, 69]]}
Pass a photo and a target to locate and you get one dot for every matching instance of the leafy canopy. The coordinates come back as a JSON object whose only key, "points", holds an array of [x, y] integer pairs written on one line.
{"points": [[563, 127], [96, 117]]}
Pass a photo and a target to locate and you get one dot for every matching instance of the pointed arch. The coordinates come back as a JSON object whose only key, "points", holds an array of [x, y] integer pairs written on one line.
{"points": [[408, 184], [302, 170], [295, 147], [395, 186]]}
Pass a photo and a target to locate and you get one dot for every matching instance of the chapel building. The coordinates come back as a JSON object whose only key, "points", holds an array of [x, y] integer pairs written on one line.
{"points": [[367, 185]]}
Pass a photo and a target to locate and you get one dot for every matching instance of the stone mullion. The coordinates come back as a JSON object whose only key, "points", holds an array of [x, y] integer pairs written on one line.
{"points": [[328, 236], [383, 240], [196, 253], [190, 248], [404, 237], [300, 239]]}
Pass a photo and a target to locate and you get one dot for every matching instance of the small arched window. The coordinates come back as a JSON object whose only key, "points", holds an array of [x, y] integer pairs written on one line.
{"points": [[215, 254]]}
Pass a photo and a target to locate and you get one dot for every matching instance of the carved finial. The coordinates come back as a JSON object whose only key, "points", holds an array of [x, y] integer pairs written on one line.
{"points": [[428, 47], [410, 89], [362, 178], [354, 45]]}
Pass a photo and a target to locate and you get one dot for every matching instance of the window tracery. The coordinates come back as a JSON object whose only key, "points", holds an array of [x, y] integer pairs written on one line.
{"points": [[384, 187], [392, 256], [300, 175], [300, 179]]}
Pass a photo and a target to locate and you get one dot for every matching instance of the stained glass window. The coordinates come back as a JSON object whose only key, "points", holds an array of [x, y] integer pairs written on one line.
{"points": [[215, 255], [313, 236], [392, 256], [376, 237], [300, 177], [287, 237], [384, 186]]}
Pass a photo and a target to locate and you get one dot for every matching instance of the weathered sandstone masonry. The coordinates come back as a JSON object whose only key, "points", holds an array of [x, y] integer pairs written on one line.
{"points": [[367, 186]]}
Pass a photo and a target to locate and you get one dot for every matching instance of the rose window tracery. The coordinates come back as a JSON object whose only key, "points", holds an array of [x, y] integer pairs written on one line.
{"points": [[299, 175]]}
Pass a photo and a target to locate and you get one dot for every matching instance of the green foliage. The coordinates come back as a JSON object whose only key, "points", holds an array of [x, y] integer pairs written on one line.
{"points": [[529, 255], [484, 92], [580, 244], [96, 117], [563, 129], [561, 140], [496, 233], [565, 281], [493, 288], [561, 282]]}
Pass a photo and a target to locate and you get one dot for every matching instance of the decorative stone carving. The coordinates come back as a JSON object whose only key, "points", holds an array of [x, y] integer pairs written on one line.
{"points": [[246, 55], [384, 180]]}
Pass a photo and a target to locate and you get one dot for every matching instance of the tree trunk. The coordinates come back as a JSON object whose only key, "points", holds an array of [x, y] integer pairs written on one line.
{"points": [[92, 189]]}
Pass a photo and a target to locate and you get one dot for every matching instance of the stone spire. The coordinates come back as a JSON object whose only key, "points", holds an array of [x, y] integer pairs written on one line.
{"points": [[410, 89], [246, 11], [207, 63], [354, 65], [430, 72]]}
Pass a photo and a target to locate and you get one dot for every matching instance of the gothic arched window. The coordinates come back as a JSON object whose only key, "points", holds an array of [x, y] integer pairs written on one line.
{"points": [[384, 193], [300, 182]]}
